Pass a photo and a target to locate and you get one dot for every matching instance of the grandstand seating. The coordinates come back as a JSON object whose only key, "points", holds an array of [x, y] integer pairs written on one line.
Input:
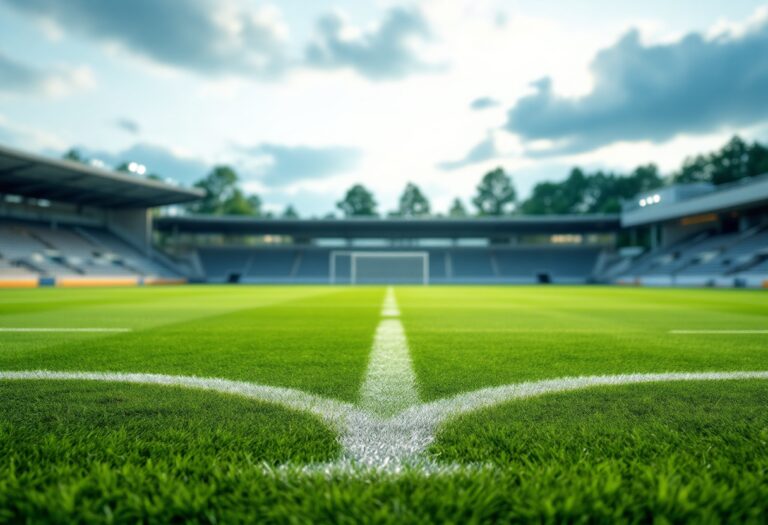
{"points": [[447, 265], [35, 249], [701, 259]]}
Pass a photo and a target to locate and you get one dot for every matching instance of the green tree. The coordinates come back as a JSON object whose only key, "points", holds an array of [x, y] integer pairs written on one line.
{"points": [[457, 209], [495, 194], [74, 155], [358, 202], [237, 204], [290, 212], [223, 196], [598, 192], [736, 160], [413, 203], [255, 203]]}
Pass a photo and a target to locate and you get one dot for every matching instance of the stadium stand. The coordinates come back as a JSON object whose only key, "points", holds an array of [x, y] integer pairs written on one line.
{"points": [[31, 248], [66, 223], [454, 265]]}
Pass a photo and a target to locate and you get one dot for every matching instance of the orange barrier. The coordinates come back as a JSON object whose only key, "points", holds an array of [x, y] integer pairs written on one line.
{"points": [[18, 283], [765, 284], [80, 282]]}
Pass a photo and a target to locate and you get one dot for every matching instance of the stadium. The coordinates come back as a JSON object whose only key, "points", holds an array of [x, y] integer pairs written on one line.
{"points": [[66, 224], [592, 349]]}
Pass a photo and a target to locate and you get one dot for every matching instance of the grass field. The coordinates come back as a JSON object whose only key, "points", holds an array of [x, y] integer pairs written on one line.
{"points": [[362, 404]]}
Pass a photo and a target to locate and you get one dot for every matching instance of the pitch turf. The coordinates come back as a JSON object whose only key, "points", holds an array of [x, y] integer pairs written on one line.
{"points": [[105, 451]]}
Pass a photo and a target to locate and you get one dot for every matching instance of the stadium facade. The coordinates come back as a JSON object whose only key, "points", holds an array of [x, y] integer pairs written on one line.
{"points": [[68, 224]]}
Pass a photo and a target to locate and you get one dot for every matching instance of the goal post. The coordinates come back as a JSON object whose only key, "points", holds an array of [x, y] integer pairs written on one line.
{"points": [[379, 267]]}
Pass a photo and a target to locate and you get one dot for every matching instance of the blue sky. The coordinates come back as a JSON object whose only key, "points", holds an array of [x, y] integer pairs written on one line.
{"points": [[306, 98]]}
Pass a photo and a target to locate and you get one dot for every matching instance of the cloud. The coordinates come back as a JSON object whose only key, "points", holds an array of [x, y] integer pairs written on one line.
{"points": [[231, 38], [485, 150], [483, 103], [200, 35], [19, 78], [653, 93], [158, 160], [383, 53], [128, 125], [280, 165]]}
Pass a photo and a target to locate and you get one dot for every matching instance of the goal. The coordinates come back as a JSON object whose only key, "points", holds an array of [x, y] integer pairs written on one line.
{"points": [[369, 267]]}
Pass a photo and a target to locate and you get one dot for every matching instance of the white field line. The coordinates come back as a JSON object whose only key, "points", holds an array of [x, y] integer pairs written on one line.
{"points": [[335, 413], [390, 382], [76, 330], [390, 308], [372, 445], [715, 332]]}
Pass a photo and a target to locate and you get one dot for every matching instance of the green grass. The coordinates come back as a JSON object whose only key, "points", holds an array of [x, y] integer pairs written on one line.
{"points": [[77, 451], [462, 339], [313, 338]]}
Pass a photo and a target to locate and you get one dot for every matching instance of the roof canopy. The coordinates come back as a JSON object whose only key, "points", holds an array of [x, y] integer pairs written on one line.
{"points": [[390, 228], [742, 195], [34, 176]]}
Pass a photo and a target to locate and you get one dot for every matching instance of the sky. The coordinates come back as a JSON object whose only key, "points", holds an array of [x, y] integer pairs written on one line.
{"points": [[305, 98]]}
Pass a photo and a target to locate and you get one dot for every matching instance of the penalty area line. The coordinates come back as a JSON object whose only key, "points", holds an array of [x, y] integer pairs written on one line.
{"points": [[74, 330]]}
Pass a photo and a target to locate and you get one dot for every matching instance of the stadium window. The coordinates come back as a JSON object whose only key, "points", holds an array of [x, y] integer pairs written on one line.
{"points": [[566, 239]]}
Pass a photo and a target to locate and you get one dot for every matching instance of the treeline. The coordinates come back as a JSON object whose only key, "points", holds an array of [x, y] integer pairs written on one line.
{"points": [[495, 195]]}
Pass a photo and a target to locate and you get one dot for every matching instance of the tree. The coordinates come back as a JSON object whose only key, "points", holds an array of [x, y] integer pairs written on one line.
{"points": [[457, 209], [736, 160], [358, 202], [74, 155], [237, 204], [546, 198], [255, 203], [290, 212], [222, 195], [413, 203], [495, 194], [598, 192]]}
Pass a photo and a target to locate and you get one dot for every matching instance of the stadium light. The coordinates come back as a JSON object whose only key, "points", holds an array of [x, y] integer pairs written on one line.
{"points": [[657, 198], [642, 203], [135, 167]]}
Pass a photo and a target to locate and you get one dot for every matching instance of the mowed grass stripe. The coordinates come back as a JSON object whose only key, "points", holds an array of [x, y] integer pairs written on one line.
{"points": [[318, 343], [503, 335]]}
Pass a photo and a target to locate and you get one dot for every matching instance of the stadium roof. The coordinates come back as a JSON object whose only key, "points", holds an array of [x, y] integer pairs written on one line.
{"points": [[742, 195], [390, 228], [39, 177]]}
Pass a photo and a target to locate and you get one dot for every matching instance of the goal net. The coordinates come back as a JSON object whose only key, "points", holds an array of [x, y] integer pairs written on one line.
{"points": [[367, 267]]}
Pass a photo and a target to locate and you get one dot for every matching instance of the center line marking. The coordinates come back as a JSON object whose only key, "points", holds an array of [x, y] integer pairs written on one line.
{"points": [[390, 382], [97, 330], [390, 309]]}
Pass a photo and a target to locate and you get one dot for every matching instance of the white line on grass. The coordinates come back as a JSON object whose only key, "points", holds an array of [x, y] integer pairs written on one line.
{"points": [[95, 330], [715, 332], [384, 446], [390, 383], [389, 433], [332, 411], [390, 309]]}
